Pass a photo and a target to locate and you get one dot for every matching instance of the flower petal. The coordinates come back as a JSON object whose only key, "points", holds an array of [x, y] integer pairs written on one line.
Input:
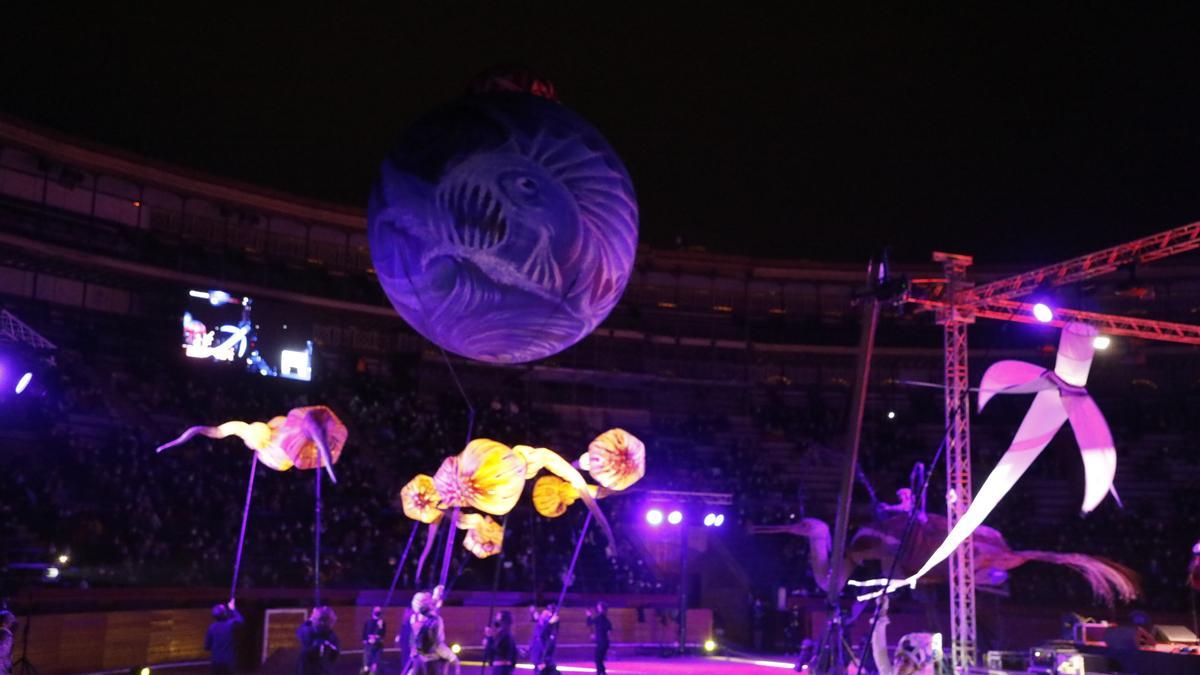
{"points": [[616, 459], [420, 499], [487, 476]]}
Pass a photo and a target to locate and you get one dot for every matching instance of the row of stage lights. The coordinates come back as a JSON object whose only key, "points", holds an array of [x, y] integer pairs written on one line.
{"points": [[655, 517]]}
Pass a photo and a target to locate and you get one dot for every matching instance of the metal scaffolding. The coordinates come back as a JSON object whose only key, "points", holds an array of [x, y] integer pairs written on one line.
{"points": [[956, 304]]}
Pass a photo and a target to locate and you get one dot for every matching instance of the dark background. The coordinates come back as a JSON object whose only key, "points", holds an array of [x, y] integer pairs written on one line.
{"points": [[1013, 135]]}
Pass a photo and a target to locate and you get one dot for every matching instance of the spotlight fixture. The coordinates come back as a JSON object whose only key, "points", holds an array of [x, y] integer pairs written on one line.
{"points": [[710, 645], [1101, 342], [23, 382], [654, 517], [719, 520], [456, 648], [675, 517], [891, 414], [1043, 313]]}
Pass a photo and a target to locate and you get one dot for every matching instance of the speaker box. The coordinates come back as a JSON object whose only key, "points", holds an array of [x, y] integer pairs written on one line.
{"points": [[1000, 660], [1128, 637], [1176, 634]]}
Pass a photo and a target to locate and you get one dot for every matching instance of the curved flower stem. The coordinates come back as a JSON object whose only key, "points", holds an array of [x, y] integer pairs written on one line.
{"points": [[448, 552], [430, 537]]}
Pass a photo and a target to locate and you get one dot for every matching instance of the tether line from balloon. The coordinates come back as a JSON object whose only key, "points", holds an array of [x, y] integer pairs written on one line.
{"points": [[906, 537], [567, 580], [412, 535], [237, 561], [450, 536]]}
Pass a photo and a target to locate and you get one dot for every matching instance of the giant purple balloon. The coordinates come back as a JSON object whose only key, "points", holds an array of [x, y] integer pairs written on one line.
{"points": [[503, 227]]}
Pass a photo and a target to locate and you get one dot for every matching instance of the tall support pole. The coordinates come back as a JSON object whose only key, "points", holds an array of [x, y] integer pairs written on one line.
{"points": [[683, 587], [832, 653], [955, 319], [854, 420]]}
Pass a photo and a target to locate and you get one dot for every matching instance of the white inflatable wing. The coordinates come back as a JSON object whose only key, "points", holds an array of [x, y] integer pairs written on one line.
{"points": [[1060, 397], [1095, 445], [1012, 377]]}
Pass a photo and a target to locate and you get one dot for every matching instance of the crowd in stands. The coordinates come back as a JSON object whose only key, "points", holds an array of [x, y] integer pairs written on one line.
{"points": [[87, 479]]}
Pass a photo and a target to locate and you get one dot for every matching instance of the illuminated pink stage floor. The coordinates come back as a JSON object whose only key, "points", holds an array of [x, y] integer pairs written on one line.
{"points": [[650, 664], [624, 666]]}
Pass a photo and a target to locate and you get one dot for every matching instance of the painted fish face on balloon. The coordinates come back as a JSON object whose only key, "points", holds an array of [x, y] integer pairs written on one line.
{"points": [[503, 227]]}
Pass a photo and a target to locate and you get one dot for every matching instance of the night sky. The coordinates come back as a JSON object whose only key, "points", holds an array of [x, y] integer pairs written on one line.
{"points": [[1029, 136]]}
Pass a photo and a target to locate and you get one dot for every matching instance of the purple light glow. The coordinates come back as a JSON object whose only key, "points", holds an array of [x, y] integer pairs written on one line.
{"points": [[654, 517], [1043, 313]]}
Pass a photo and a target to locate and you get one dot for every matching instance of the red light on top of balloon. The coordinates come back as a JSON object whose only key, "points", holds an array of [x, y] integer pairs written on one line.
{"points": [[513, 78]]}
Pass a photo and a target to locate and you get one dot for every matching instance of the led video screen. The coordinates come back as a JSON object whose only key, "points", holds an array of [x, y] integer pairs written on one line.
{"points": [[264, 339]]}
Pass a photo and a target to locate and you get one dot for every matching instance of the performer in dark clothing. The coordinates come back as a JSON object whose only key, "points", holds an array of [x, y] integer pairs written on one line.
{"points": [[319, 645], [218, 641], [372, 637], [545, 638], [601, 627], [499, 647]]}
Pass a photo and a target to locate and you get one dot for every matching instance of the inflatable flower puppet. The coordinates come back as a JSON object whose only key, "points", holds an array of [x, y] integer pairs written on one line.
{"points": [[485, 537], [306, 438], [552, 495], [420, 499], [616, 459], [486, 475]]}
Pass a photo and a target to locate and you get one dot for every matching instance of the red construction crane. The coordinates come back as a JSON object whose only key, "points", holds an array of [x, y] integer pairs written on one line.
{"points": [[957, 303]]}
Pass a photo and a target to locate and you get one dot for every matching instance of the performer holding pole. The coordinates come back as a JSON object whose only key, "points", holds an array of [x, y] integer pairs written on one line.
{"points": [[545, 638], [429, 636], [218, 641]]}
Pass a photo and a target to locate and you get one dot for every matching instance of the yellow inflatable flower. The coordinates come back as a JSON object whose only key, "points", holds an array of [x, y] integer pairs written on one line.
{"points": [[544, 458], [486, 475], [552, 495], [485, 537], [616, 459], [420, 500]]}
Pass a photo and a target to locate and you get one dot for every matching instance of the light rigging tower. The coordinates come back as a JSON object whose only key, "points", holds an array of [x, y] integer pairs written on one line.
{"points": [[956, 304]]}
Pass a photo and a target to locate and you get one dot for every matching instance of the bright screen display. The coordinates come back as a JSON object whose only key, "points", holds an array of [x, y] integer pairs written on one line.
{"points": [[225, 328]]}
